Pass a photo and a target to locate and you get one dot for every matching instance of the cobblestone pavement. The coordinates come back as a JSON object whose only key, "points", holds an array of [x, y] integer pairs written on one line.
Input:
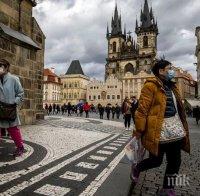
{"points": [[75, 156], [64, 156]]}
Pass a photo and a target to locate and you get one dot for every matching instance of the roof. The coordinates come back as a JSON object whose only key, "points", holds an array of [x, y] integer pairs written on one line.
{"points": [[17, 35], [75, 68], [48, 72]]}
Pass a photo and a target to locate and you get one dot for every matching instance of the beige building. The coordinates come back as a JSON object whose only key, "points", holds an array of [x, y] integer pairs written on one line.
{"points": [[186, 84], [198, 58], [74, 84], [22, 44], [99, 92], [52, 87]]}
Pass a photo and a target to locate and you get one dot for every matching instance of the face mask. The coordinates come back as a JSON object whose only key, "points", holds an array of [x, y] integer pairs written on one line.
{"points": [[170, 74], [2, 71]]}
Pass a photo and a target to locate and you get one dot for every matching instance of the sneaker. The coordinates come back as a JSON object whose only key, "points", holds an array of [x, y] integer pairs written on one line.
{"points": [[19, 151], [134, 174], [167, 192]]}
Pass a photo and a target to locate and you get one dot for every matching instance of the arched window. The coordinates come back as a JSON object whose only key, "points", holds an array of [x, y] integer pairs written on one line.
{"points": [[145, 41], [114, 47], [129, 68]]}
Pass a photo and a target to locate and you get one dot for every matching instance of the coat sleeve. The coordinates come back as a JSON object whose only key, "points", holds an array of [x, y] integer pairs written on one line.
{"points": [[19, 92], [144, 106]]}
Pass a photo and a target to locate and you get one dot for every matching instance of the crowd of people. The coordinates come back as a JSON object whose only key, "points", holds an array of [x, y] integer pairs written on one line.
{"points": [[127, 109]]}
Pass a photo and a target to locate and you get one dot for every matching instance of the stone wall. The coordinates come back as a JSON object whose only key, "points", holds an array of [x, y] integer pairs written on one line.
{"points": [[26, 61]]}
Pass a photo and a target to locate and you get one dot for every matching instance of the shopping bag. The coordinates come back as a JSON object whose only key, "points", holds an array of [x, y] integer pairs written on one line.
{"points": [[135, 151]]}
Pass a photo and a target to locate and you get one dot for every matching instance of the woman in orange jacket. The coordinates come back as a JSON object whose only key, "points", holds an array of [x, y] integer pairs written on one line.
{"points": [[160, 122]]}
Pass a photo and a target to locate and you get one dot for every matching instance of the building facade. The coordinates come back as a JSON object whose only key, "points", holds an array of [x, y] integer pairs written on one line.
{"points": [[52, 87], [74, 84], [197, 33], [131, 61], [109, 92], [22, 44]]}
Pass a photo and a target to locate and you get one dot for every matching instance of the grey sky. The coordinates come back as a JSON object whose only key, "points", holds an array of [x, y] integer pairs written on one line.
{"points": [[75, 29]]}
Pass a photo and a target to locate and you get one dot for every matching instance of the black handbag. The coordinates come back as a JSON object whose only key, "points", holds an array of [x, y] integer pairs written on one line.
{"points": [[8, 112]]}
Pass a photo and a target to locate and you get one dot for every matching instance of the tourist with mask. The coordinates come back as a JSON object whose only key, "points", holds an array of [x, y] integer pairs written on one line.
{"points": [[11, 96], [160, 122]]}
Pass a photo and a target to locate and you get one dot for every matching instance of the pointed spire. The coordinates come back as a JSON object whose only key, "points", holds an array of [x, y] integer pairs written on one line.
{"points": [[107, 34], [125, 29], [146, 16], [116, 23]]}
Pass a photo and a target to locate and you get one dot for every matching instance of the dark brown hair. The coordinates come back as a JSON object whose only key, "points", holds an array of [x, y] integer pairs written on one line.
{"points": [[5, 63]]}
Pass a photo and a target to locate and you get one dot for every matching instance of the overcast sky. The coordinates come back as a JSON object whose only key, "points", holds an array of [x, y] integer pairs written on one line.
{"points": [[75, 29]]}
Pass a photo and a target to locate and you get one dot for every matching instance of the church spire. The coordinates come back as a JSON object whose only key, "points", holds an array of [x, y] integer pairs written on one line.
{"points": [[147, 20], [116, 27]]}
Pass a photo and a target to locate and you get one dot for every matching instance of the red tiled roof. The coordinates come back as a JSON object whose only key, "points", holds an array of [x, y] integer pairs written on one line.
{"points": [[48, 72]]}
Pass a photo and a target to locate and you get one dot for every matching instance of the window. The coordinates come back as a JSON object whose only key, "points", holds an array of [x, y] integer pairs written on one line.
{"points": [[89, 97], [115, 86], [91, 87], [108, 96], [113, 96], [145, 42], [114, 47], [75, 84], [99, 96], [94, 97], [118, 96]]}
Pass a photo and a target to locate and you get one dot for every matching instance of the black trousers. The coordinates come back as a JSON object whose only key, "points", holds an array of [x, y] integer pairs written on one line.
{"points": [[87, 114], [101, 115], [173, 155], [108, 115], [127, 120]]}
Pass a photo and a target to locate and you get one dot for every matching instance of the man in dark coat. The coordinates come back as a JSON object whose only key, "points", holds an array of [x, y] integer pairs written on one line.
{"points": [[134, 106]]}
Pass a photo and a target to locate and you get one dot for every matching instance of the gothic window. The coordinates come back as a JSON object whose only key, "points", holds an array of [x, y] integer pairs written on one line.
{"points": [[145, 62], [145, 41], [129, 68], [114, 47], [99, 96]]}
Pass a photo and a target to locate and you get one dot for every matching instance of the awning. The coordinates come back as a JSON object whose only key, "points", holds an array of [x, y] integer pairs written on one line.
{"points": [[19, 36], [193, 102]]}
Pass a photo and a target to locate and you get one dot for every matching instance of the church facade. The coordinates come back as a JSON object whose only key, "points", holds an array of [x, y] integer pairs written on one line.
{"points": [[129, 59]]}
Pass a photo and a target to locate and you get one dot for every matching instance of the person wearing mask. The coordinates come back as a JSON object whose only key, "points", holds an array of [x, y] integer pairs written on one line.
{"points": [[160, 122], [11, 96]]}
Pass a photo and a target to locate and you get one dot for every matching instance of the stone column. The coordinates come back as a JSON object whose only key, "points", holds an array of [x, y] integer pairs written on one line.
{"points": [[123, 90], [128, 88]]}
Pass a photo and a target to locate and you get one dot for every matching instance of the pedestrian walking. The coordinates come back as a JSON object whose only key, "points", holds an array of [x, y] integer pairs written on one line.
{"points": [[113, 112], [108, 110], [86, 108], [54, 108], [11, 96], [69, 108], [118, 111], [127, 113], [196, 114], [161, 124], [46, 109], [50, 109], [101, 111], [134, 106], [63, 109], [57, 109]]}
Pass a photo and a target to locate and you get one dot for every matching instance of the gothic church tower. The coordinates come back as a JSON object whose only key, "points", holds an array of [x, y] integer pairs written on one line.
{"points": [[147, 32]]}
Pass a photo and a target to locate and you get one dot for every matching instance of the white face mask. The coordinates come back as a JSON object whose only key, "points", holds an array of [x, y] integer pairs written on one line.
{"points": [[2, 71]]}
